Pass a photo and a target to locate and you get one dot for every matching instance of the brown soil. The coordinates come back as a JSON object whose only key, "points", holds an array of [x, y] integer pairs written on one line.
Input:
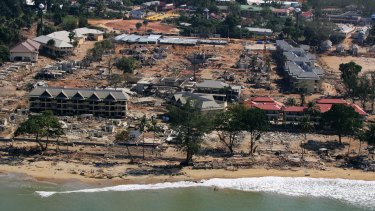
{"points": [[129, 26]]}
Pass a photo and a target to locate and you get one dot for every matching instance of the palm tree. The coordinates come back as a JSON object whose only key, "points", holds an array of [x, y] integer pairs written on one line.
{"points": [[154, 128], [124, 137], [71, 36], [142, 126], [306, 127], [369, 137], [253, 63], [145, 23], [138, 25]]}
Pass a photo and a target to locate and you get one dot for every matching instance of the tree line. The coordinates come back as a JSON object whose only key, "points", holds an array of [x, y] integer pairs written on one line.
{"points": [[192, 126], [358, 86]]}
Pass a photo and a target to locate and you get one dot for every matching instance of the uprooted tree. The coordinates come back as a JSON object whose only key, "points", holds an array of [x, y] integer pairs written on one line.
{"points": [[44, 125]]}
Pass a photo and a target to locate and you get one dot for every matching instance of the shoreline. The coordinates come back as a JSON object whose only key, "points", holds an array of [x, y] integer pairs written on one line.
{"points": [[191, 175]]}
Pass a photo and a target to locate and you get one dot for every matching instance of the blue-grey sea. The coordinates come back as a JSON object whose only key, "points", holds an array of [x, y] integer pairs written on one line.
{"points": [[265, 193]]}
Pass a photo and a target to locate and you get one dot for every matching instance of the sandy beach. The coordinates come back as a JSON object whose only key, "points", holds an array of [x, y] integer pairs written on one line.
{"points": [[107, 171], [62, 173]]}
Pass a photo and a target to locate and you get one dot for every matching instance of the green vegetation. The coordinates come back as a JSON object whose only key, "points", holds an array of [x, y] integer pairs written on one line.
{"points": [[115, 79], [290, 102], [42, 125], [307, 126], [82, 22], [349, 75], [315, 32], [358, 87], [369, 135], [370, 40], [367, 6], [145, 23], [71, 36], [343, 120], [127, 64], [69, 23], [256, 123], [14, 15], [4, 53], [229, 126], [200, 25], [123, 137], [142, 128], [51, 43], [191, 125], [138, 25], [96, 53]]}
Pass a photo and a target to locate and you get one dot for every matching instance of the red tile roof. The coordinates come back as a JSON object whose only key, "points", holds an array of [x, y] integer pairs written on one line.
{"points": [[268, 106], [295, 109], [324, 107], [331, 101], [307, 14], [359, 110], [263, 99], [264, 103]]}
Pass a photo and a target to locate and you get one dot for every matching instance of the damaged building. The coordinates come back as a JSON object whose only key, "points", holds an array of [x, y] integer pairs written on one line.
{"points": [[74, 101], [301, 73]]}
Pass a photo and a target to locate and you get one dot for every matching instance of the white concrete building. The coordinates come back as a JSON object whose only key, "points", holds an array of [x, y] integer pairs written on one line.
{"points": [[60, 47], [88, 34]]}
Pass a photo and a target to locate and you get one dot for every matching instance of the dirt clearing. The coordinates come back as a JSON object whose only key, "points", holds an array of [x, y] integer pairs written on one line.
{"points": [[332, 63], [129, 25]]}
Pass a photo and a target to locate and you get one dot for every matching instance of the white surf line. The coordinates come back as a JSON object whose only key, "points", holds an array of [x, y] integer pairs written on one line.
{"points": [[356, 192], [157, 186]]}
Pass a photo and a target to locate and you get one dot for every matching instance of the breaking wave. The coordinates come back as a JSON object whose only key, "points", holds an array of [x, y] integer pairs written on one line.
{"points": [[356, 192]]}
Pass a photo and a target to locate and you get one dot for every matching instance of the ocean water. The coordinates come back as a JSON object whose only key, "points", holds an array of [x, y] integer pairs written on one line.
{"points": [[264, 193]]}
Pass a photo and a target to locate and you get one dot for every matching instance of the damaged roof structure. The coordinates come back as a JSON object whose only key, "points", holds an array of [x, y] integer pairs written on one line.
{"points": [[204, 102]]}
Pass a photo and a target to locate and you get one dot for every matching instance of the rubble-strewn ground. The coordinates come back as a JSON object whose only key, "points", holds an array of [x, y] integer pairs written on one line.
{"points": [[129, 26], [278, 154], [94, 156]]}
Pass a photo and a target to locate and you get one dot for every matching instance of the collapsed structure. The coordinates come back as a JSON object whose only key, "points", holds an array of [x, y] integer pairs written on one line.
{"points": [[57, 70], [74, 101], [203, 102]]}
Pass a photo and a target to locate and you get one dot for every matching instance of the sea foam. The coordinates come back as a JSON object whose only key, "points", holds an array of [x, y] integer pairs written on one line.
{"points": [[356, 192]]}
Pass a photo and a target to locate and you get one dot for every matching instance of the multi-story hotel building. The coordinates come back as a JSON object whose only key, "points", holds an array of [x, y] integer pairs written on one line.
{"points": [[74, 101]]}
